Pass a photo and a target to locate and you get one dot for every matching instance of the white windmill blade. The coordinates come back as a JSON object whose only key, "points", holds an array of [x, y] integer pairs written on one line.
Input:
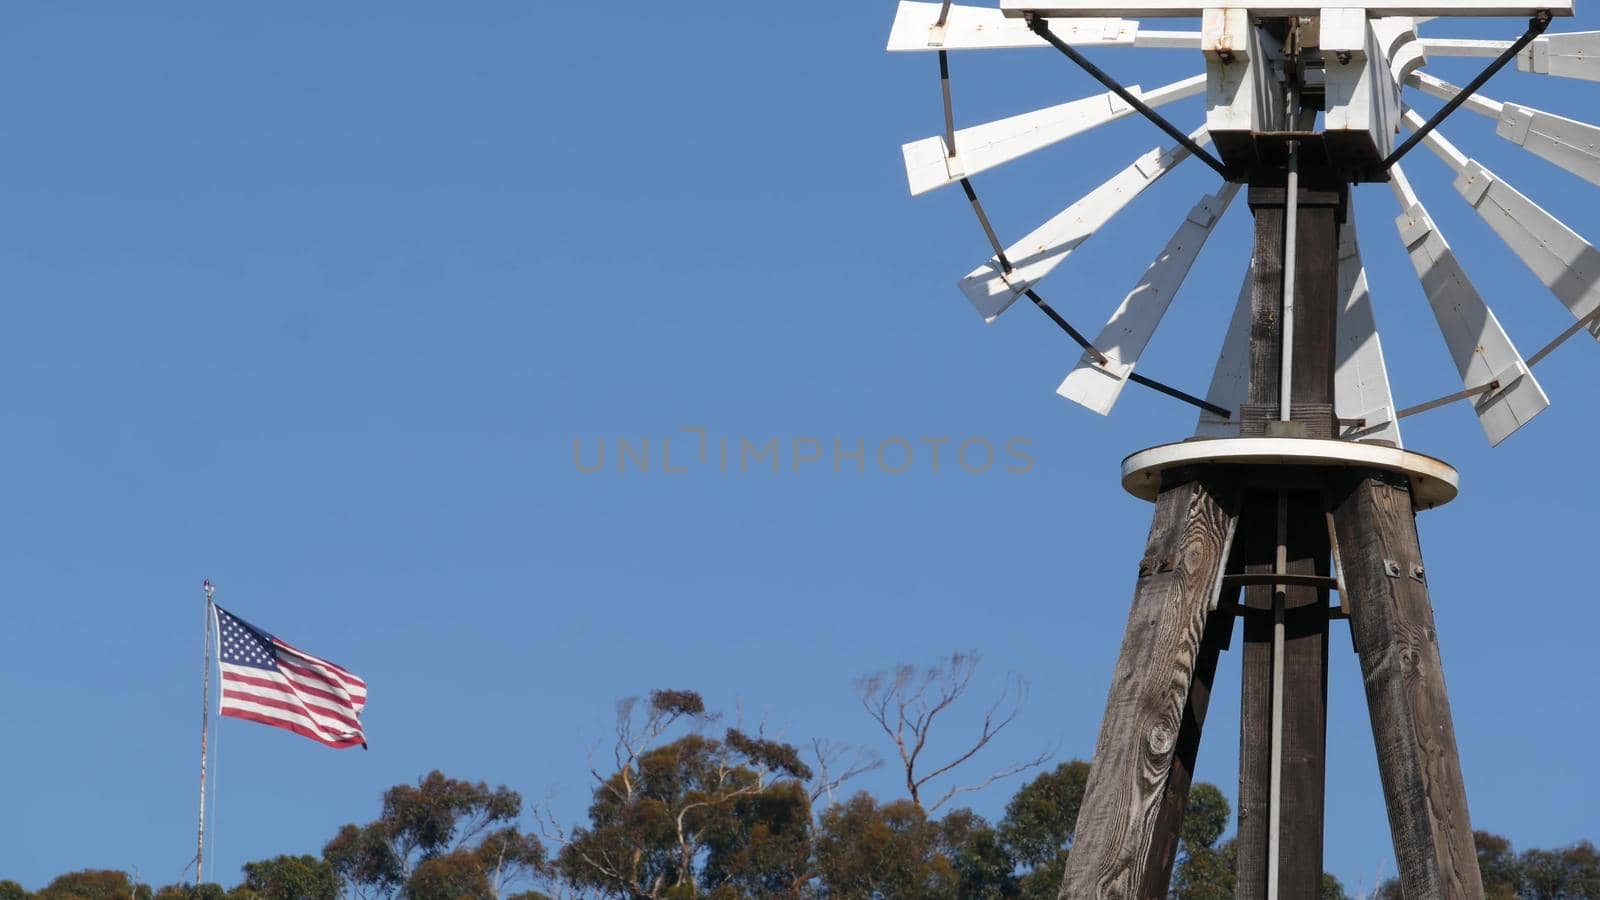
{"points": [[1506, 396], [916, 27], [1575, 54], [1097, 382], [1464, 47], [929, 166], [1566, 263], [1570, 144], [992, 289], [1360, 377], [1572, 55], [1230, 381]]}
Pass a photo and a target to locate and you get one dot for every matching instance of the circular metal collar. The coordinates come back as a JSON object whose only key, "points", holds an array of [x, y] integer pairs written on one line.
{"points": [[1433, 482]]}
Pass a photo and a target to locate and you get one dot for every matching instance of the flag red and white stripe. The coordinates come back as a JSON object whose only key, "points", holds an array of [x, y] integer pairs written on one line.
{"points": [[270, 681]]}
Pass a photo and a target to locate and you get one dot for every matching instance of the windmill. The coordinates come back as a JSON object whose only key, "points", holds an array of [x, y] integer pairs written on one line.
{"points": [[1296, 484]]}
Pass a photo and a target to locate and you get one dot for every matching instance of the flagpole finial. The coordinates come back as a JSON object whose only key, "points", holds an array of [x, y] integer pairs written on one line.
{"points": [[209, 588]]}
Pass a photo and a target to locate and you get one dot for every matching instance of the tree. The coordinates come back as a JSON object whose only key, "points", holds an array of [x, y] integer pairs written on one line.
{"points": [[761, 846], [1205, 871], [1497, 861], [1038, 826], [1040, 819], [906, 703], [1569, 872], [438, 817], [867, 850], [10, 890], [291, 878], [1332, 888], [206, 891], [92, 884], [452, 876], [692, 813], [984, 866]]}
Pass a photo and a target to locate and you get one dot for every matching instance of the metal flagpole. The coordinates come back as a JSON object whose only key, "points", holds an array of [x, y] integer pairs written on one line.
{"points": [[205, 727]]}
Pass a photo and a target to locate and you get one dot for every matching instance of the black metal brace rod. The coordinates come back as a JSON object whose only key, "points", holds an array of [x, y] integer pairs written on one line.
{"points": [[988, 230], [949, 106], [1040, 27], [1066, 326], [1536, 27], [1134, 377], [1176, 394]]}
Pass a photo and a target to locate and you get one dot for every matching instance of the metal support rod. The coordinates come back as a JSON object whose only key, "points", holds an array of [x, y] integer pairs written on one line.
{"points": [[1536, 27], [1102, 359], [1291, 219], [949, 105], [1561, 338], [1176, 394], [1066, 326], [1446, 401], [1042, 28], [1275, 791], [988, 230]]}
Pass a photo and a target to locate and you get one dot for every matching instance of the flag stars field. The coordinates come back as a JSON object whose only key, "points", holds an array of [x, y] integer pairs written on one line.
{"points": [[267, 680]]}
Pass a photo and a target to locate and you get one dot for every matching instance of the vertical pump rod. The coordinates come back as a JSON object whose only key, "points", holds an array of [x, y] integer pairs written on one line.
{"points": [[1291, 216], [1275, 788]]}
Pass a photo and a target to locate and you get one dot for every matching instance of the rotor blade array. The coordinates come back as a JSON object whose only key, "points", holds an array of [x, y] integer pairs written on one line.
{"points": [[1575, 54], [1568, 143], [930, 165], [1361, 395], [1504, 394], [1230, 381], [917, 26], [993, 287], [1558, 256], [1495, 376], [1098, 379], [938, 26]]}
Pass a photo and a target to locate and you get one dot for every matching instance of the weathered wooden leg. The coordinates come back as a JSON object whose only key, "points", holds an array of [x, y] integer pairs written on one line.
{"points": [[1258, 533], [1295, 857], [1391, 622], [1169, 819], [1151, 699], [1305, 706]]}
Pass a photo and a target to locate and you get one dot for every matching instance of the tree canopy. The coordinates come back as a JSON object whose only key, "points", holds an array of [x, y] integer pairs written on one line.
{"points": [[686, 805]]}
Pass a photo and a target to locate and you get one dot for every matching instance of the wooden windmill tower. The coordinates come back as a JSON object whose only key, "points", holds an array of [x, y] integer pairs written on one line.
{"points": [[1295, 484]]}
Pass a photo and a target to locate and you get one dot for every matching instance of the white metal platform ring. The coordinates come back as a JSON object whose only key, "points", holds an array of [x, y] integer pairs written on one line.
{"points": [[1433, 482]]}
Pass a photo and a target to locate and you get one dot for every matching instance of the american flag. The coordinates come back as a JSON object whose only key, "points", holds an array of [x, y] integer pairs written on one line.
{"points": [[269, 681]]}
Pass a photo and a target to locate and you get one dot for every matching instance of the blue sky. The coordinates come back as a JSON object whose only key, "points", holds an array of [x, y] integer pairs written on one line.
{"points": [[314, 300]]}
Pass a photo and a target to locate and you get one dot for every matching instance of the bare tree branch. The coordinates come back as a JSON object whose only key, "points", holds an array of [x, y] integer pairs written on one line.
{"points": [[907, 703], [837, 764], [1043, 757]]}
